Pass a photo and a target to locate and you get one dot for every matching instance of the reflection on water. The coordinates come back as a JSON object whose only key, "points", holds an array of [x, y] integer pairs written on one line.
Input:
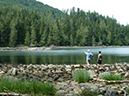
{"points": [[65, 56]]}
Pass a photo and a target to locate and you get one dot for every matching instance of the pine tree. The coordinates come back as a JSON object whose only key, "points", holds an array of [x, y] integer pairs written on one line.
{"points": [[33, 35], [27, 38], [13, 34]]}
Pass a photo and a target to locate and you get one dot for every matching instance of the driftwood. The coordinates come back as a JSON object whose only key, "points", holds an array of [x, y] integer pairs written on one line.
{"points": [[115, 81], [15, 94]]}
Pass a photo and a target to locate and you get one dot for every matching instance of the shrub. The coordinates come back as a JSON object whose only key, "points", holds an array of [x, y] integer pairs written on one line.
{"points": [[81, 76], [27, 87], [111, 77]]}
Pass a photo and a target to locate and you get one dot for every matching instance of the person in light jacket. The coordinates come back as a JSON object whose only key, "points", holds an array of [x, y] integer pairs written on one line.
{"points": [[89, 56]]}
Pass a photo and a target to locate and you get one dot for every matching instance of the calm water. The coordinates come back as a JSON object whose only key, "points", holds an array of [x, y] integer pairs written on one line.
{"points": [[65, 56]]}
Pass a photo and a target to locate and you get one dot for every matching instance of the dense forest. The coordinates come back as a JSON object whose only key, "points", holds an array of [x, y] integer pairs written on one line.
{"points": [[31, 5], [25, 27]]}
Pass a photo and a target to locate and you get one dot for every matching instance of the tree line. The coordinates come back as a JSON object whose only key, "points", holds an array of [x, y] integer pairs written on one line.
{"points": [[21, 26], [31, 5]]}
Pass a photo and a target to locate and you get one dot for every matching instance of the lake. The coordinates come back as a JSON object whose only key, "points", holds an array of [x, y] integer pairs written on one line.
{"points": [[111, 55]]}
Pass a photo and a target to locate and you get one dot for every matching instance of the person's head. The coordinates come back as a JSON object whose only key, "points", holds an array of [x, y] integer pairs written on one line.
{"points": [[99, 52], [88, 51]]}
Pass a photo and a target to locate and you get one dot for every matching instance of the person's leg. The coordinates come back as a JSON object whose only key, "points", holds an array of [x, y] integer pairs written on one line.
{"points": [[88, 62], [99, 63]]}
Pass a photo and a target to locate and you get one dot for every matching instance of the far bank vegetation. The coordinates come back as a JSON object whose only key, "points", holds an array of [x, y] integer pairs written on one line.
{"points": [[21, 26]]}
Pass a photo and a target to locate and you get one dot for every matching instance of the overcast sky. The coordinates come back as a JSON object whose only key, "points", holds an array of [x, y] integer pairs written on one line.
{"points": [[118, 9]]}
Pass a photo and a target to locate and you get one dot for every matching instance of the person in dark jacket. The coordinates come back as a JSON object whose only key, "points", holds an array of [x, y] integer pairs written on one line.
{"points": [[99, 60]]}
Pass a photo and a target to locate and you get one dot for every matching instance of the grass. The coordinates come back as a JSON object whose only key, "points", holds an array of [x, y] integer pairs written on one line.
{"points": [[81, 76], [127, 90], [89, 93], [27, 87], [112, 77]]}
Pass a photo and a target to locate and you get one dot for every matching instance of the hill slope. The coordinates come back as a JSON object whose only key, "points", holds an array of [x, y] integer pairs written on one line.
{"points": [[30, 4]]}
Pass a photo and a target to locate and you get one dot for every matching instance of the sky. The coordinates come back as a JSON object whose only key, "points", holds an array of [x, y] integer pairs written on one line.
{"points": [[118, 9]]}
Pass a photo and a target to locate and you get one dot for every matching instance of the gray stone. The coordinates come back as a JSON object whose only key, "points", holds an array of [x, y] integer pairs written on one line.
{"points": [[61, 93], [124, 85], [102, 90], [92, 73], [104, 73], [14, 71], [1, 65], [1, 73], [62, 74], [69, 94], [94, 88], [111, 93], [11, 78]]}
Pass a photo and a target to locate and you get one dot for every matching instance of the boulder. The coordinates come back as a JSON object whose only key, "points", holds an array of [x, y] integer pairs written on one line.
{"points": [[104, 73]]}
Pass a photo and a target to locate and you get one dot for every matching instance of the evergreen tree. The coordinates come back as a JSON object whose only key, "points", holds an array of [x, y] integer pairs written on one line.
{"points": [[13, 34], [33, 35], [27, 38], [20, 26]]}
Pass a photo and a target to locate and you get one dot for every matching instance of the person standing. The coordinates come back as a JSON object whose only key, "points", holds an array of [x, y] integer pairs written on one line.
{"points": [[99, 60], [89, 56]]}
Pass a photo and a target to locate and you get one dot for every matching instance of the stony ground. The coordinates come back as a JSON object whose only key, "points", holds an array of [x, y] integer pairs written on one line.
{"points": [[61, 77]]}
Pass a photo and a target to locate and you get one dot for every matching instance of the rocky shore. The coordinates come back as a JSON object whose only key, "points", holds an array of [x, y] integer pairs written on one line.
{"points": [[61, 77], [24, 48]]}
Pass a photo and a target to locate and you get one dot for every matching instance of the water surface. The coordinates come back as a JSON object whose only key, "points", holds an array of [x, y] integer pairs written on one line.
{"points": [[111, 55]]}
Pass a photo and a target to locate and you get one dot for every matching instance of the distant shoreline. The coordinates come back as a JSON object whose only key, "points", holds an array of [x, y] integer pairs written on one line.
{"points": [[49, 48], [86, 46]]}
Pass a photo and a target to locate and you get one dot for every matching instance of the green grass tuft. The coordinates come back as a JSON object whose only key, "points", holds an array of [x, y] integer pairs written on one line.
{"points": [[27, 87], [81, 76], [89, 93], [112, 77]]}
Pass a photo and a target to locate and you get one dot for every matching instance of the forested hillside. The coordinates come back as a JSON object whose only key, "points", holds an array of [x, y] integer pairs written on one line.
{"points": [[21, 26], [30, 4]]}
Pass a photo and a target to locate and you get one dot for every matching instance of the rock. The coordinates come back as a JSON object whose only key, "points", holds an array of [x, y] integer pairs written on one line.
{"points": [[111, 93], [107, 68], [61, 93], [92, 73], [77, 90], [30, 67], [102, 90], [11, 78], [61, 77], [60, 80], [5, 69], [1, 73], [48, 48], [14, 71], [61, 85], [1, 65], [127, 75], [124, 85], [104, 73], [94, 88], [68, 67], [120, 70], [127, 68], [70, 88], [69, 94]]}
